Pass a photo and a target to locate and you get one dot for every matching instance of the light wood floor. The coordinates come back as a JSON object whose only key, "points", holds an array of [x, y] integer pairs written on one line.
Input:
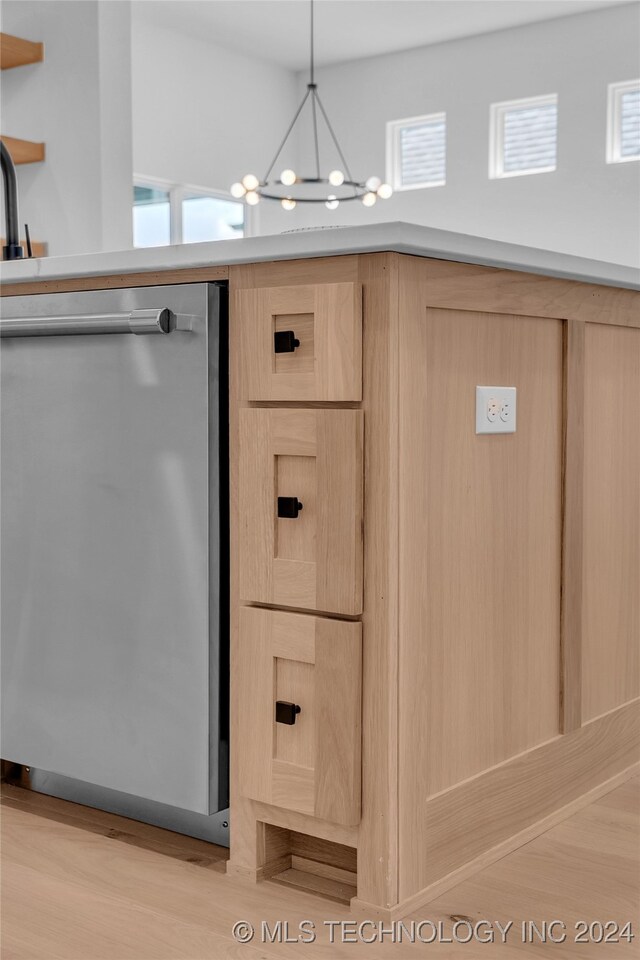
{"points": [[81, 884]]}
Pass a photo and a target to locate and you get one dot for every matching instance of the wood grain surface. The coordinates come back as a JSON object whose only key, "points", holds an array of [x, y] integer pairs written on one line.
{"points": [[78, 884]]}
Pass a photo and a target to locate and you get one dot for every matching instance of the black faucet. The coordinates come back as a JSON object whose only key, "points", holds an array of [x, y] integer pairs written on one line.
{"points": [[13, 250]]}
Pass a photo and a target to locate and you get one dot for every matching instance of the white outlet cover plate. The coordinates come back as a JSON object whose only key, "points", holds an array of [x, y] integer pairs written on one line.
{"points": [[495, 409]]}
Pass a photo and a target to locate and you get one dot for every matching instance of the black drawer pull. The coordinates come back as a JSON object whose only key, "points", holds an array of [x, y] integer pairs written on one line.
{"points": [[286, 712], [285, 341], [289, 507]]}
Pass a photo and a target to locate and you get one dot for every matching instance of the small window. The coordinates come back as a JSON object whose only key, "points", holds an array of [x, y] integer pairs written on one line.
{"points": [[416, 152], [151, 217], [164, 214], [524, 137], [211, 218], [623, 122]]}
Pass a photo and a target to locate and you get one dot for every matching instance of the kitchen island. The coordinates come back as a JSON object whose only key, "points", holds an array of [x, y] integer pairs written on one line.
{"points": [[443, 581]]}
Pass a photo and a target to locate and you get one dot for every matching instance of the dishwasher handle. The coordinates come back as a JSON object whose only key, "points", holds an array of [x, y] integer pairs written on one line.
{"points": [[136, 321]]}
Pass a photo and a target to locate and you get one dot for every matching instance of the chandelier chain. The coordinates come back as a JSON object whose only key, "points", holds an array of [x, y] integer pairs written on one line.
{"points": [[311, 58], [315, 131]]}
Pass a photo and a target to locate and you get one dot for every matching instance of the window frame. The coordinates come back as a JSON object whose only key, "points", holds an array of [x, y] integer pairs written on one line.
{"points": [[394, 153], [182, 191], [496, 135], [615, 92]]}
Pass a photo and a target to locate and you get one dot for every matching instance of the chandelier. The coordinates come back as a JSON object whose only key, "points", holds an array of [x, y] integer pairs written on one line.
{"points": [[290, 189]]}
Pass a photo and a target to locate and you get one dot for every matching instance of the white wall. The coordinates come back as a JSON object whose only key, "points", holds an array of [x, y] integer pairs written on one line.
{"points": [[78, 102], [586, 207], [203, 115]]}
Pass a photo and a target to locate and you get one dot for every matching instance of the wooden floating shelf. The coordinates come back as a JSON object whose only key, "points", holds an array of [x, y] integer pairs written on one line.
{"points": [[24, 151], [39, 249], [16, 52]]}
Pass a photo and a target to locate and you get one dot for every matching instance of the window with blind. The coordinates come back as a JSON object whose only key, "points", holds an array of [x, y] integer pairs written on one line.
{"points": [[416, 152], [623, 122], [523, 136]]}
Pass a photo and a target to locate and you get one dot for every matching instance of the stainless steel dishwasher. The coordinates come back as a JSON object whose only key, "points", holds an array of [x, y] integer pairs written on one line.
{"points": [[114, 556]]}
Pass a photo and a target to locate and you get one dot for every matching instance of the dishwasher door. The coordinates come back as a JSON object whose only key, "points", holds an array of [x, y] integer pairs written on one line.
{"points": [[112, 655]]}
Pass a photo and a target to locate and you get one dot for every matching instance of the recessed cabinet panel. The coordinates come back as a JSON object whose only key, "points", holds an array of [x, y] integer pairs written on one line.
{"points": [[301, 508], [301, 342], [313, 764]]}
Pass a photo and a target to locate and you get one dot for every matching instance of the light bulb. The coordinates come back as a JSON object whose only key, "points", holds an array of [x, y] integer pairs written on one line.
{"points": [[373, 183], [336, 178], [250, 182], [288, 203], [384, 191], [332, 202], [252, 198], [237, 190], [369, 199], [288, 177]]}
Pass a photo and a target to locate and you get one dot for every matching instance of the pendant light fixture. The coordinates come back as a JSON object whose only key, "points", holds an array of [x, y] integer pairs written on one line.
{"points": [[290, 189]]}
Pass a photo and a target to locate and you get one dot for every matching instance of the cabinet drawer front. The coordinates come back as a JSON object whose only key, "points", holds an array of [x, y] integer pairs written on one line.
{"points": [[313, 764], [325, 319], [314, 457]]}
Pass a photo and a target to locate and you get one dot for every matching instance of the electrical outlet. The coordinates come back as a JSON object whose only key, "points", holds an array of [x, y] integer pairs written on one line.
{"points": [[495, 409]]}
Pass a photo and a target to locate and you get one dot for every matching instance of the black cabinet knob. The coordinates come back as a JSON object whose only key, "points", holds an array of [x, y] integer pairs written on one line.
{"points": [[289, 507], [285, 341], [286, 712]]}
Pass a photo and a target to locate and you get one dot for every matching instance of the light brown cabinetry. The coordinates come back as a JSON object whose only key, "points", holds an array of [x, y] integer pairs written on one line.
{"points": [[325, 322], [499, 578], [313, 764], [611, 616], [298, 478], [312, 560]]}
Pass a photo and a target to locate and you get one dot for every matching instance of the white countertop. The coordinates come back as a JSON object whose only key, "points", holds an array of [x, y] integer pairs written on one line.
{"points": [[400, 237]]}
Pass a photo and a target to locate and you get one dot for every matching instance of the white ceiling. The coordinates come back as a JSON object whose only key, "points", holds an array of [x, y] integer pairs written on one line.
{"points": [[278, 30]]}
